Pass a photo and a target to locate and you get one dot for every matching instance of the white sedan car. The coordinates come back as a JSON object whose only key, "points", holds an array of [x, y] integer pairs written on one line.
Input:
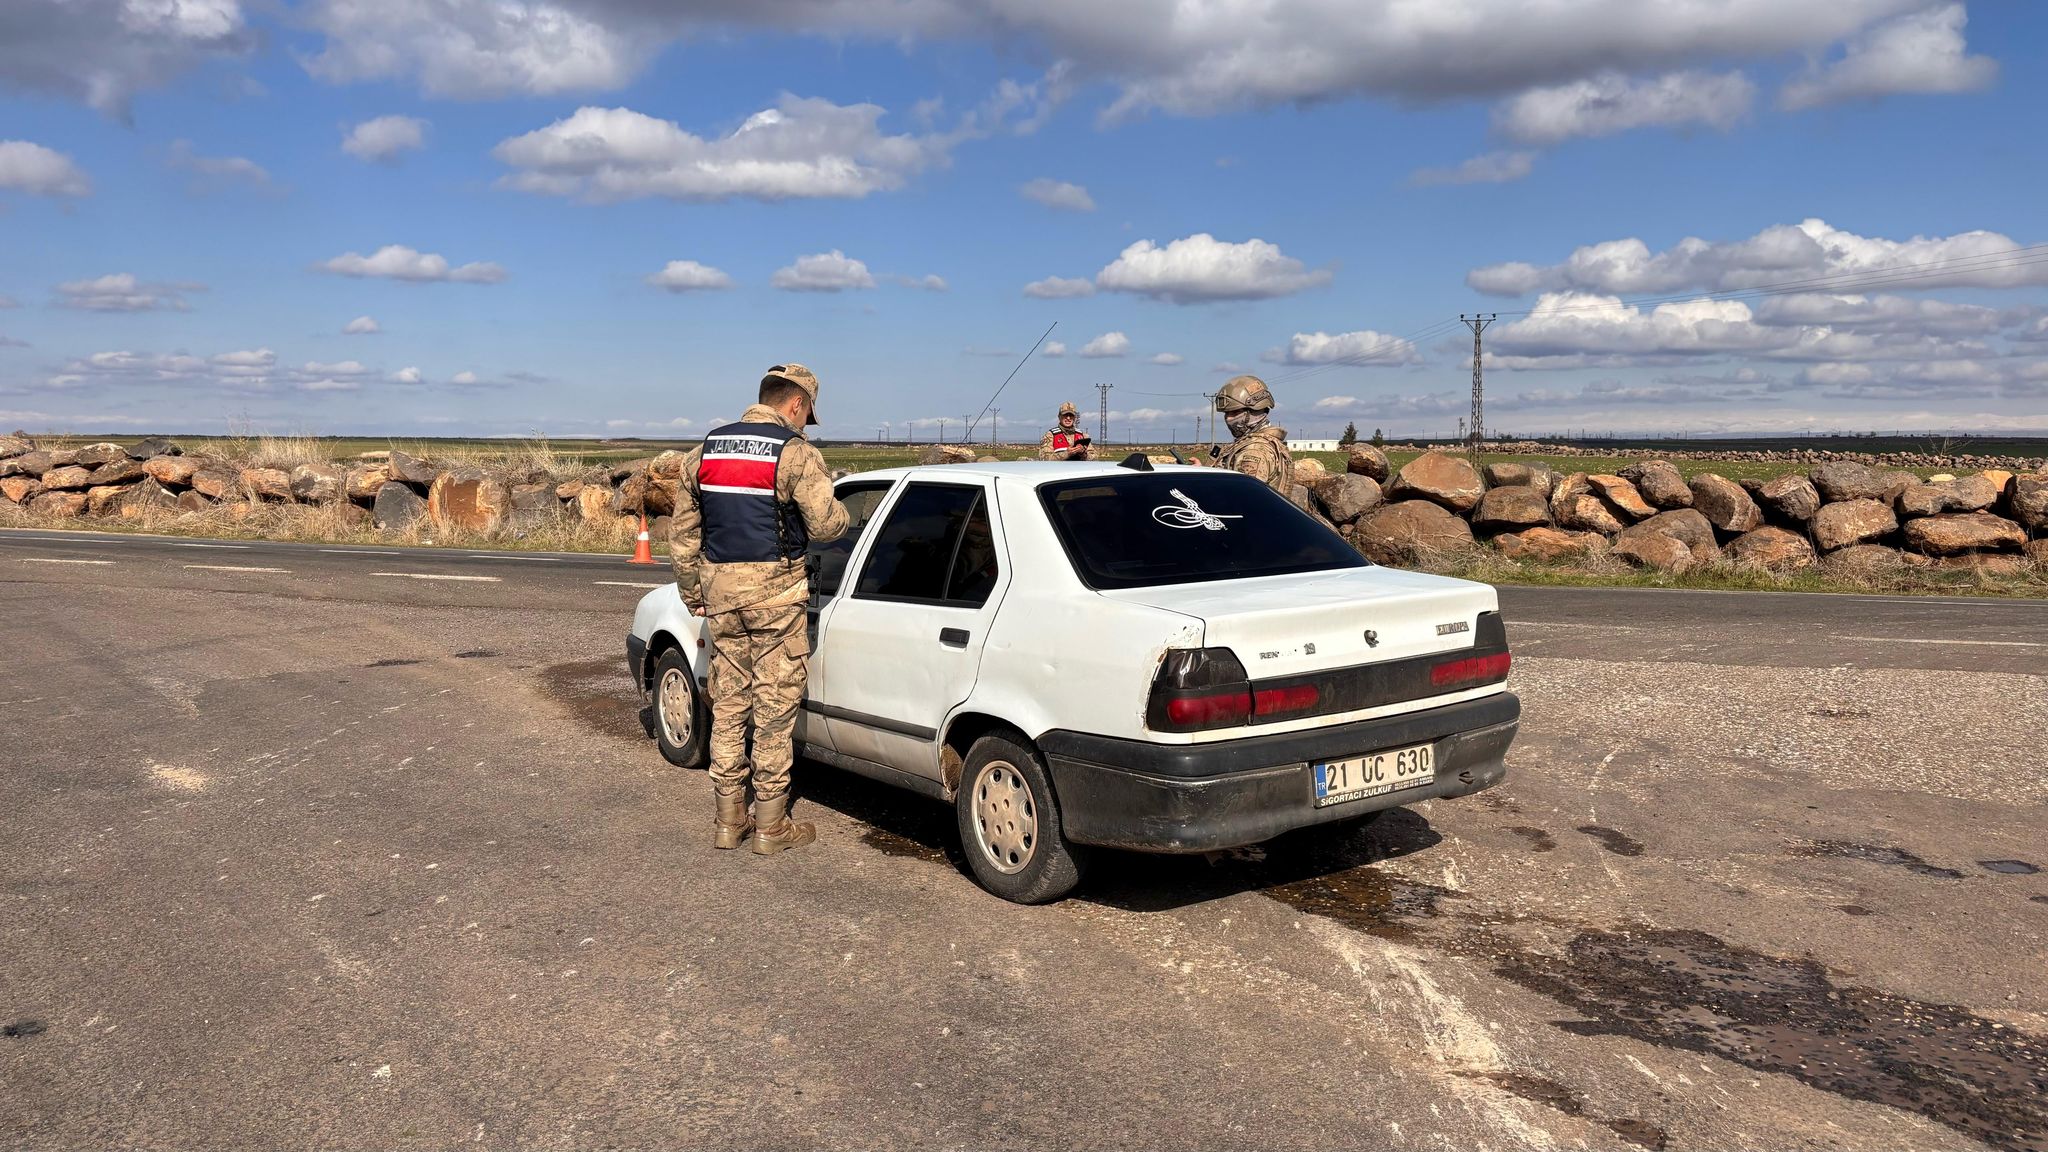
{"points": [[1164, 659]]}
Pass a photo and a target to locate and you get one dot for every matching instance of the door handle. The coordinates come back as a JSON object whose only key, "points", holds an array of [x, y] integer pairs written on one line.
{"points": [[953, 637]]}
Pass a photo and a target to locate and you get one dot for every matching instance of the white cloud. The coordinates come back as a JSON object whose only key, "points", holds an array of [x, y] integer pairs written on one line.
{"points": [[803, 148], [1856, 313], [101, 52], [1106, 346], [1610, 102], [1490, 168], [689, 276], [832, 271], [361, 326], [1058, 194], [408, 376], [1166, 360], [398, 262], [1201, 268], [256, 360], [926, 283], [1059, 288], [328, 385], [1363, 347], [463, 379], [1780, 254], [1053, 350], [122, 292], [27, 167], [343, 368], [478, 49], [385, 139], [1919, 52], [220, 169]]}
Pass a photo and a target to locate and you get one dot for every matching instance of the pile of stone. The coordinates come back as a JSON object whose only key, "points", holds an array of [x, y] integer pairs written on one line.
{"points": [[1951, 461], [394, 491], [1844, 515]]}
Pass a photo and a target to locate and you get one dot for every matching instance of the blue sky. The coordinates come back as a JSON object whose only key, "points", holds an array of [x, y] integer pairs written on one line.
{"points": [[1691, 215]]}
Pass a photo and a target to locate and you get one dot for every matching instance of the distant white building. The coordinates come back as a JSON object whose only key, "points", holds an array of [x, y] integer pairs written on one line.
{"points": [[1311, 445]]}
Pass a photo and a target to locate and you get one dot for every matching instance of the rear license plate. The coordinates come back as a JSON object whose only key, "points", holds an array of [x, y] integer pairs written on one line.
{"points": [[1374, 774]]}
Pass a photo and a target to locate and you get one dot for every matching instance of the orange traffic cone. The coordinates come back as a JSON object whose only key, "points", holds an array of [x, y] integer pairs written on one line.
{"points": [[643, 546]]}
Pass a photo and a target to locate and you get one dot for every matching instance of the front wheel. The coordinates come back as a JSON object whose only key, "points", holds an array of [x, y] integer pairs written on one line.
{"points": [[680, 722], [1010, 824]]}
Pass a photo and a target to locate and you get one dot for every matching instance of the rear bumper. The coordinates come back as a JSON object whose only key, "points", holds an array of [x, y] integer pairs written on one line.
{"points": [[1201, 797]]}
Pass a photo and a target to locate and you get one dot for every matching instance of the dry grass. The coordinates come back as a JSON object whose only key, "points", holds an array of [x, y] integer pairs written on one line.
{"points": [[1722, 574], [286, 452], [342, 524]]}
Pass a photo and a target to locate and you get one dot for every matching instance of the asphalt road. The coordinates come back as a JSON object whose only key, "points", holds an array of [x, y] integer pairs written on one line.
{"points": [[366, 848]]}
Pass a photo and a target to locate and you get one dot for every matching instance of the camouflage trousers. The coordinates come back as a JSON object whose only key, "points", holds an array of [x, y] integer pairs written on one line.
{"points": [[759, 659]]}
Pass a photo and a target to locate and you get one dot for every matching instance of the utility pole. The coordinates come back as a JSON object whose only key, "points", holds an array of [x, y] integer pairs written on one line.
{"points": [[1477, 322], [1211, 398], [942, 429], [995, 424], [1102, 428], [882, 433]]}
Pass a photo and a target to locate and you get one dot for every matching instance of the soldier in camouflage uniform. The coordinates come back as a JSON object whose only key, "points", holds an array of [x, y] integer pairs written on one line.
{"points": [[1259, 448], [1066, 442], [754, 496]]}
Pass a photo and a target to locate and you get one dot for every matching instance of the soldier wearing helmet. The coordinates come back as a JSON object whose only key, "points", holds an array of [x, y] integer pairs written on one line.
{"points": [[1259, 448], [1066, 442]]}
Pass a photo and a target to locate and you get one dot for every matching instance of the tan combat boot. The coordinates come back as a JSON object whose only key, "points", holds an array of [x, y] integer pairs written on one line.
{"points": [[733, 821], [774, 831]]}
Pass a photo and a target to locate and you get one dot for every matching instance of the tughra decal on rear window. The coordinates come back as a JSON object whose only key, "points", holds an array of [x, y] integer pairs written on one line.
{"points": [[1189, 514]]}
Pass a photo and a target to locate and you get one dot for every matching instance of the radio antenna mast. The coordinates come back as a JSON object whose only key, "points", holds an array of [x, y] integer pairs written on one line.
{"points": [[976, 422]]}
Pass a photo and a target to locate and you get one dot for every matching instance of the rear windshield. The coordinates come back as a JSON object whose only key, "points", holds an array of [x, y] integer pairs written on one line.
{"points": [[1178, 527]]}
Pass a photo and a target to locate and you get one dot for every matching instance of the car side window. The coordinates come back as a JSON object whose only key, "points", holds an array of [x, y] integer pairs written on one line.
{"points": [[935, 546], [861, 500]]}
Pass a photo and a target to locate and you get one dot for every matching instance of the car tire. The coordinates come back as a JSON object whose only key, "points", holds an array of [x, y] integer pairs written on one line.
{"points": [[1010, 823], [683, 741]]}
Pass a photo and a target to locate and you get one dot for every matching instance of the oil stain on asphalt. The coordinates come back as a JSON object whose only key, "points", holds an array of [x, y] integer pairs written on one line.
{"points": [[2009, 867], [1619, 843], [599, 694], [1875, 854], [1551, 1094]]}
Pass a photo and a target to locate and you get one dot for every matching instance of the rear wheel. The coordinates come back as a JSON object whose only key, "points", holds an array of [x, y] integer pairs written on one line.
{"points": [[1010, 823], [680, 721]]}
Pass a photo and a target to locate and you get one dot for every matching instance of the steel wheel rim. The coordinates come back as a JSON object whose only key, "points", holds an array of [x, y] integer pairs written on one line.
{"points": [[1005, 818], [673, 701]]}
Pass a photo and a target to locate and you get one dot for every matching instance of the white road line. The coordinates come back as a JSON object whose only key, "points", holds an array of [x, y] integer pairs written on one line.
{"points": [[237, 568], [625, 584], [360, 552], [536, 559], [52, 560], [1968, 643], [438, 576], [237, 547]]}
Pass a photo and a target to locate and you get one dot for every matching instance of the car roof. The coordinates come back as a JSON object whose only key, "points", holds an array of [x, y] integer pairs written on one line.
{"points": [[1023, 471]]}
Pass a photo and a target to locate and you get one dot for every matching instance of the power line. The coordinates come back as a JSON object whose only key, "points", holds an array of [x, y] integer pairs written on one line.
{"points": [[1012, 376]]}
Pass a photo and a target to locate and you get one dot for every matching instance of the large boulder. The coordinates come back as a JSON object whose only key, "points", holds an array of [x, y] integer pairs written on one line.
{"points": [[1549, 546], [1954, 533], [190, 500], [594, 503], [1840, 481], [20, 489], [2037, 552], [1897, 481], [122, 471], [667, 465], [1685, 525], [1441, 478], [2027, 496], [102, 501], [1656, 552], [364, 481], [1962, 494], [397, 506], [171, 471], [268, 484], [1576, 508], [1660, 483], [533, 506], [1410, 532], [60, 505], [1852, 522], [661, 495], [468, 500], [154, 446], [1516, 474], [1773, 548], [70, 478], [143, 500], [631, 497], [933, 454], [217, 482], [34, 462], [318, 483], [1870, 560], [1792, 497], [1309, 471], [407, 468], [1369, 462], [12, 446], [1347, 496], [1621, 495], [1725, 504], [94, 455], [1511, 509]]}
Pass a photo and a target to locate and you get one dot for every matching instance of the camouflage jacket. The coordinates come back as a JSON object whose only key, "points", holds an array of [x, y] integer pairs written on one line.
{"points": [[1049, 446], [800, 479], [1262, 453]]}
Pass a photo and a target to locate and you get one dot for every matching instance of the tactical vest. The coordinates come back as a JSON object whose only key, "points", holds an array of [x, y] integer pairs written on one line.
{"points": [[1065, 441], [743, 521]]}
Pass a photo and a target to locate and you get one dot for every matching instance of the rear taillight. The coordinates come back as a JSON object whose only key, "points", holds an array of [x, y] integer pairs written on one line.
{"points": [[1285, 700], [1470, 671], [1198, 689]]}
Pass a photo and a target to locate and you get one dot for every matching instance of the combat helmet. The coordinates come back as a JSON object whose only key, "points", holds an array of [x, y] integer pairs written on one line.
{"points": [[1068, 409], [1244, 392]]}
